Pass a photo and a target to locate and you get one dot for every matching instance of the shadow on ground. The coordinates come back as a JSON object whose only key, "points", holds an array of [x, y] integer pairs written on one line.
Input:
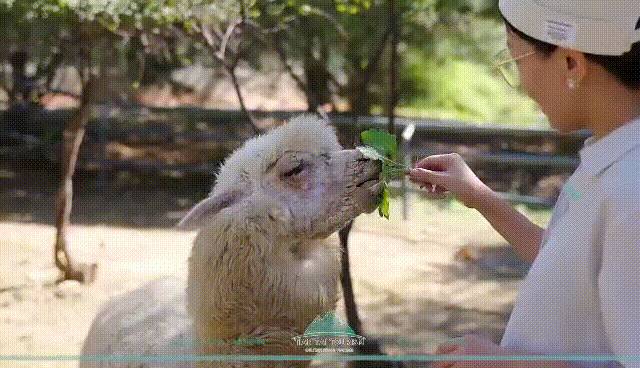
{"points": [[151, 201]]}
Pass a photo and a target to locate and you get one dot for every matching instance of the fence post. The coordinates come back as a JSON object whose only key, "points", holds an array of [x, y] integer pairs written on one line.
{"points": [[407, 134]]}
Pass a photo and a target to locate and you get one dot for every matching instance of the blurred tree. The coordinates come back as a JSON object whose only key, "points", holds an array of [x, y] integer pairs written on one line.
{"points": [[61, 26], [334, 51], [89, 36], [339, 44], [30, 51]]}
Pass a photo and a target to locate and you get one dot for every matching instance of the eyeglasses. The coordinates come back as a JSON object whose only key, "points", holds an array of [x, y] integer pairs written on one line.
{"points": [[508, 67]]}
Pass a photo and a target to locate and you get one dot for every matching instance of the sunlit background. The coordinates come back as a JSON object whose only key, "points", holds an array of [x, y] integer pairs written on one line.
{"points": [[156, 93]]}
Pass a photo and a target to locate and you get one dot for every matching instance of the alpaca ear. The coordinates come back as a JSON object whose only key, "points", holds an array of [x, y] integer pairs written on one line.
{"points": [[207, 208]]}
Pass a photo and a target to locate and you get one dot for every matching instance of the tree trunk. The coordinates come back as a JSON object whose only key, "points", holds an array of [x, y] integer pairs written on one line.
{"points": [[393, 68], [345, 279], [358, 107], [21, 89], [372, 347], [72, 139], [317, 77]]}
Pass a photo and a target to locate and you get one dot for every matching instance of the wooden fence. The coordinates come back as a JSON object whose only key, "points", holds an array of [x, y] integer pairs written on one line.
{"points": [[35, 136]]}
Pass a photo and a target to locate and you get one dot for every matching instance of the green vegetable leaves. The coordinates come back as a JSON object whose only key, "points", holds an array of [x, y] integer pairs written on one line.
{"points": [[371, 153], [383, 142], [383, 146], [383, 205]]}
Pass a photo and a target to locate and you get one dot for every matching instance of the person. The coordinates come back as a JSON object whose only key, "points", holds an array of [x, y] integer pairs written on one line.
{"points": [[580, 301]]}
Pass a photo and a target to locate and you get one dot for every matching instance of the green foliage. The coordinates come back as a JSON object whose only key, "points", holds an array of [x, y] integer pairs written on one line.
{"points": [[462, 90], [337, 41], [448, 74], [352, 6], [384, 143], [134, 12], [445, 51], [144, 40], [383, 146]]}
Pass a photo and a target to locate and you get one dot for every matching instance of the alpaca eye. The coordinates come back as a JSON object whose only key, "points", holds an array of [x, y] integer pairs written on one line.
{"points": [[295, 171]]}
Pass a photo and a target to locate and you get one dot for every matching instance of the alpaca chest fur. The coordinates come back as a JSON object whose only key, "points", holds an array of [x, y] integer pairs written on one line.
{"points": [[252, 285]]}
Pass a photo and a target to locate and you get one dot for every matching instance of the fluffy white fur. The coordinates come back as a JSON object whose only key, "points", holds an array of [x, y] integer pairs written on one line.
{"points": [[265, 262]]}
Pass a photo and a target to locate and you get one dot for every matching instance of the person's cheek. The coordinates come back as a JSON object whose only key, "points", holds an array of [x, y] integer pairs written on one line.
{"points": [[540, 89], [534, 83], [528, 84]]}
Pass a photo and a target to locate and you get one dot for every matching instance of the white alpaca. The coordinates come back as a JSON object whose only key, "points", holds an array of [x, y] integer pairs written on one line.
{"points": [[264, 264]]}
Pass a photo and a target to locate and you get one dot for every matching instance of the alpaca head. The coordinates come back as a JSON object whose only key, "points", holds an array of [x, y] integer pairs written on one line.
{"points": [[295, 181]]}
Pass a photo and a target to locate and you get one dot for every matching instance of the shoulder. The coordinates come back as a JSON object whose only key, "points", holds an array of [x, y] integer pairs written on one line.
{"points": [[620, 182], [122, 325]]}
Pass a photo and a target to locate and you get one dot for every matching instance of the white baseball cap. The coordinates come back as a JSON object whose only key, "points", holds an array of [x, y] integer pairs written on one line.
{"points": [[600, 27]]}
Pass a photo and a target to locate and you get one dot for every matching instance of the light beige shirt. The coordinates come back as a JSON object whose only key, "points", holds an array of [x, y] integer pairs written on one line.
{"points": [[582, 293]]}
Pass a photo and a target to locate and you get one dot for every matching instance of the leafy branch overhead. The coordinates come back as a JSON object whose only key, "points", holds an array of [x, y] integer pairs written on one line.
{"points": [[382, 146]]}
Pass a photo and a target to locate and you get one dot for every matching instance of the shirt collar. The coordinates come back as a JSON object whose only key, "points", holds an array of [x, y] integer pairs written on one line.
{"points": [[598, 154]]}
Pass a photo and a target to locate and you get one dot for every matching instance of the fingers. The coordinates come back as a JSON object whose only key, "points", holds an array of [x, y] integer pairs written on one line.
{"points": [[442, 364], [446, 350], [427, 177], [437, 162], [453, 346], [433, 189], [438, 190], [434, 196], [428, 182]]}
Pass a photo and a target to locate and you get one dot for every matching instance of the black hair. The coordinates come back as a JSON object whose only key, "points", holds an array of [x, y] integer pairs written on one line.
{"points": [[626, 68]]}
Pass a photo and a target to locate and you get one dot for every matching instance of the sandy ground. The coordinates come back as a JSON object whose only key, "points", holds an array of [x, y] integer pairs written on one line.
{"points": [[412, 290]]}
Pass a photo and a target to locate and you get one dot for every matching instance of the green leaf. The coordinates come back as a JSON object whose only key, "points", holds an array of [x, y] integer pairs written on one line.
{"points": [[383, 142], [370, 153], [383, 207], [390, 169], [391, 172], [382, 146]]}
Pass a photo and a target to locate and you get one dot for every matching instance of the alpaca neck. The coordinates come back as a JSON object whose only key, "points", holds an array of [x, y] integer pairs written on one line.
{"points": [[240, 284]]}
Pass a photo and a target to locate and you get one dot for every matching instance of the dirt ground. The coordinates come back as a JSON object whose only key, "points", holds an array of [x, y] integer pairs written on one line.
{"points": [[414, 285]]}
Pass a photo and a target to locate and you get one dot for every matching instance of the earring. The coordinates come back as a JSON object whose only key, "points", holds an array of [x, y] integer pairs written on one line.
{"points": [[572, 84]]}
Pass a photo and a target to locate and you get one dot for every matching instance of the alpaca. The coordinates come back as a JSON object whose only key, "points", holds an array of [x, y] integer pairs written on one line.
{"points": [[265, 262]]}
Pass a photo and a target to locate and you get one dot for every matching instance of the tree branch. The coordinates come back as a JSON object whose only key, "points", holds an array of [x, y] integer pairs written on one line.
{"points": [[227, 36], [283, 58], [236, 85], [236, 56]]}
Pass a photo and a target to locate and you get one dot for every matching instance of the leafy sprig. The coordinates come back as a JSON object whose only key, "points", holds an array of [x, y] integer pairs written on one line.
{"points": [[382, 146]]}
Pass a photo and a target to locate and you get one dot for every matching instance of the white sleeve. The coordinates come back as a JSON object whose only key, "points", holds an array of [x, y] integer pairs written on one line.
{"points": [[619, 277]]}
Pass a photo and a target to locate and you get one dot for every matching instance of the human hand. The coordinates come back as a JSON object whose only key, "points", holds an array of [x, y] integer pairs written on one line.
{"points": [[472, 345], [449, 173]]}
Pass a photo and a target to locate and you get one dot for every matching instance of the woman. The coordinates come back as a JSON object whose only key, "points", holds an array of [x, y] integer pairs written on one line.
{"points": [[580, 61]]}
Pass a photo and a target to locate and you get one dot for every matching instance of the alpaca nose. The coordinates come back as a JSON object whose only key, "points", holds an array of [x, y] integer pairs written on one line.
{"points": [[368, 166], [360, 157]]}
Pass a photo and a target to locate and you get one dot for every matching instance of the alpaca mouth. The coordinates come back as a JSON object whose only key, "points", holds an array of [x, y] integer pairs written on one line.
{"points": [[370, 175], [368, 183]]}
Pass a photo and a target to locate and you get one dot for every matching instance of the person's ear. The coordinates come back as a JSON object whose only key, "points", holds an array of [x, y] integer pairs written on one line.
{"points": [[207, 208], [576, 68]]}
